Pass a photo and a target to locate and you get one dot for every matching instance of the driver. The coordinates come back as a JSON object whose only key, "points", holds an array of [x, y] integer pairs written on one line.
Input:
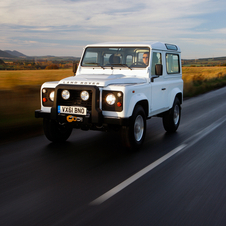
{"points": [[146, 58]]}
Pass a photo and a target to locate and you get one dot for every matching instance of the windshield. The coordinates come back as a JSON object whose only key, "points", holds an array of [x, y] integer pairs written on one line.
{"points": [[130, 57]]}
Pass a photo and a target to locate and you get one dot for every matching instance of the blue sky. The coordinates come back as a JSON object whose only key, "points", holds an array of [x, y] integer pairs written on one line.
{"points": [[64, 27]]}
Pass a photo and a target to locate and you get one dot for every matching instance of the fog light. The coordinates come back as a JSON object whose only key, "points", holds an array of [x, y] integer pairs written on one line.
{"points": [[65, 94], [84, 95]]}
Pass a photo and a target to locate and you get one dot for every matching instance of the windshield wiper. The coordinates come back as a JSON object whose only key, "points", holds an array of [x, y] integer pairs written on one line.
{"points": [[96, 64], [124, 65]]}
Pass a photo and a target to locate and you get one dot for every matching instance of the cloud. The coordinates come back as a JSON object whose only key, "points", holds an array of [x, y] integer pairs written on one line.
{"points": [[220, 31], [97, 12], [69, 23], [204, 41]]}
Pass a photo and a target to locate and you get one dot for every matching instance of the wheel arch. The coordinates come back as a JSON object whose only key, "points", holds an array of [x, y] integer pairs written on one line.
{"points": [[176, 93], [180, 97], [140, 99], [144, 105]]}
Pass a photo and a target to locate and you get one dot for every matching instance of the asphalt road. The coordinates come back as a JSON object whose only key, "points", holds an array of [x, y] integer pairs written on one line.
{"points": [[175, 179]]}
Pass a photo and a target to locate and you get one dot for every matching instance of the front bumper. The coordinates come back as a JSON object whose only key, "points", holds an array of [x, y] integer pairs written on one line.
{"points": [[94, 116], [86, 120]]}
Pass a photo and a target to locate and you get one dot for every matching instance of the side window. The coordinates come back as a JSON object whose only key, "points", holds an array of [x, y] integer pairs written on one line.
{"points": [[156, 59], [172, 63]]}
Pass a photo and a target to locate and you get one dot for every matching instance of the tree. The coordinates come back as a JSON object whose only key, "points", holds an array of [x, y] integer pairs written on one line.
{"points": [[2, 62], [52, 66]]}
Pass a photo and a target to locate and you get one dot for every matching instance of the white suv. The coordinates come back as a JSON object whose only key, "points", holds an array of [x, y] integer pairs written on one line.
{"points": [[116, 86]]}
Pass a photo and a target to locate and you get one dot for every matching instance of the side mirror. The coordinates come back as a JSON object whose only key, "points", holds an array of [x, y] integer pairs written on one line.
{"points": [[75, 67], [158, 69]]}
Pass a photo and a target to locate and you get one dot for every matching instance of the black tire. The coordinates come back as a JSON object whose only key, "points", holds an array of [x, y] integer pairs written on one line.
{"points": [[133, 135], [56, 132], [171, 119]]}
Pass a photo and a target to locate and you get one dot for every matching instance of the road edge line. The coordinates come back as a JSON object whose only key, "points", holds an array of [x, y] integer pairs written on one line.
{"points": [[136, 176]]}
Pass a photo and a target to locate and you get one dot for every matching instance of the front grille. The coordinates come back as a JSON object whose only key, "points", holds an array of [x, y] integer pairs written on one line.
{"points": [[75, 99], [92, 105]]}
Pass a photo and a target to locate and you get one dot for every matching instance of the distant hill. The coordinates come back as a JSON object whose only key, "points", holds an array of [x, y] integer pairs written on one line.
{"points": [[15, 53], [214, 61], [4, 54], [56, 58], [8, 54]]}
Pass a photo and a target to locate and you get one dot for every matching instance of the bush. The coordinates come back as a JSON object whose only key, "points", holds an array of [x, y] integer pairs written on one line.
{"points": [[2, 62], [201, 85], [52, 66]]}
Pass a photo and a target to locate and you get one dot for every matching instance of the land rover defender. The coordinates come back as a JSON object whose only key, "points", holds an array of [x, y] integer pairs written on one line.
{"points": [[116, 86]]}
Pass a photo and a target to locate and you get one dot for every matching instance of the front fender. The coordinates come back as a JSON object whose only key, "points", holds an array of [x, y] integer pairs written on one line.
{"points": [[133, 101]]}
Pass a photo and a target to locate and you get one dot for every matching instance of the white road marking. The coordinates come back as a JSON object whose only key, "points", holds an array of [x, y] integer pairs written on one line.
{"points": [[198, 136], [188, 143], [136, 176]]}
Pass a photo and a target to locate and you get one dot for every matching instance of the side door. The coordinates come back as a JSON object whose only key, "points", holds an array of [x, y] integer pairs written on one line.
{"points": [[159, 84]]}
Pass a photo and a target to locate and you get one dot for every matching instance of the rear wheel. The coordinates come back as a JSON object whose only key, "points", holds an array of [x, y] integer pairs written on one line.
{"points": [[171, 118], [56, 132], [134, 134]]}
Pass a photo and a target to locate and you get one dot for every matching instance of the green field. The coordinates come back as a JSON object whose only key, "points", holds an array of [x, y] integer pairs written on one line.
{"points": [[19, 92]]}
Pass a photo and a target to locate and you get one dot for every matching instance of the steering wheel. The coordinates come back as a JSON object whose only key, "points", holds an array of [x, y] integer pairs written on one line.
{"points": [[138, 64]]}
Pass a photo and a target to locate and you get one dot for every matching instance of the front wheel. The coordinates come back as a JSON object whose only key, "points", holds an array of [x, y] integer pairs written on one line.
{"points": [[171, 118], [134, 134], [56, 132]]}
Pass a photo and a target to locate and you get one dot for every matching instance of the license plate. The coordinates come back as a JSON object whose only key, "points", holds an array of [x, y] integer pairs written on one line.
{"points": [[72, 110]]}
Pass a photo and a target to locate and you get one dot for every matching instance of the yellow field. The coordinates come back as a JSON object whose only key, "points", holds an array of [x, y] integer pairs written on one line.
{"points": [[206, 72], [20, 97], [199, 80], [20, 90], [10, 79]]}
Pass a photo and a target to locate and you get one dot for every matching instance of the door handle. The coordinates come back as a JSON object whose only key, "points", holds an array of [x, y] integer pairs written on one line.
{"points": [[163, 88]]}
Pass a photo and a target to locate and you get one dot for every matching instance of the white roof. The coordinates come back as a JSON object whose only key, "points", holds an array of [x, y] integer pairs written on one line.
{"points": [[151, 44]]}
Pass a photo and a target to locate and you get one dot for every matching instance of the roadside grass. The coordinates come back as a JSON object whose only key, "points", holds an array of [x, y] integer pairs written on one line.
{"points": [[11, 79], [19, 98], [20, 95], [199, 80]]}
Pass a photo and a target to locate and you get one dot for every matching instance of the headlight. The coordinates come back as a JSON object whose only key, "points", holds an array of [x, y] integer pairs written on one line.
{"points": [[51, 96], [65, 94], [110, 99], [84, 95]]}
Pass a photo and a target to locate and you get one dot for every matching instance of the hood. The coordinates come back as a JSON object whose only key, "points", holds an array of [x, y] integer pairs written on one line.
{"points": [[102, 80]]}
